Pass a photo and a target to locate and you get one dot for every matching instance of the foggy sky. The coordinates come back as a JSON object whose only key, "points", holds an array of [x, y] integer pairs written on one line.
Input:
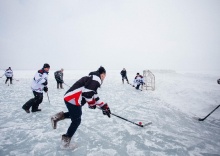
{"points": [[135, 34]]}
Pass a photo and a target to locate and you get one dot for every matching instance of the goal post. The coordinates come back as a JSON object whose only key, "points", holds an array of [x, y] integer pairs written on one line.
{"points": [[149, 80]]}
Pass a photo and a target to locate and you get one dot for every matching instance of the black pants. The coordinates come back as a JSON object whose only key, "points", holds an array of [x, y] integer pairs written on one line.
{"points": [[8, 78], [34, 102], [75, 113], [59, 85], [124, 77]]}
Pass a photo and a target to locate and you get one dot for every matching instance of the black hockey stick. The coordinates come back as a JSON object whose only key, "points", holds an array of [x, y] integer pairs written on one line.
{"points": [[133, 86], [66, 84], [140, 124], [208, 114]]}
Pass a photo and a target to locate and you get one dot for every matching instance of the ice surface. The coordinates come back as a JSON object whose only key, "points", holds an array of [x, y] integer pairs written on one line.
{"points": [[179, 96]]}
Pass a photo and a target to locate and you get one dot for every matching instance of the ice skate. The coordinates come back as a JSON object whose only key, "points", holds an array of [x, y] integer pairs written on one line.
{"points": [[55, 118], [65, 143], [24, 107]]}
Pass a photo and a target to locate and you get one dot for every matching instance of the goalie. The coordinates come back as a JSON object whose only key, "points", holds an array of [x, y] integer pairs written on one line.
{"points": [[138, 80]]}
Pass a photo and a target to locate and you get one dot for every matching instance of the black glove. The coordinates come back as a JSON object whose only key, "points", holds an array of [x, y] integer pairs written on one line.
{"points": [[45, 89], [45, 83], [92, 107], [218, 81], [106, 110]]}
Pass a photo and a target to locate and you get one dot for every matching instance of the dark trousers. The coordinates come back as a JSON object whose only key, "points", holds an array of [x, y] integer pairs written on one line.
{"points": [[59, 85], [8, 78], [34, 102], [75, 113], [124, 77]]}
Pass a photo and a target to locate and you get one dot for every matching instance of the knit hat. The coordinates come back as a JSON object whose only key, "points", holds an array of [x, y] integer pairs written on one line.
{"points": [[101, 70], [46, 65]]}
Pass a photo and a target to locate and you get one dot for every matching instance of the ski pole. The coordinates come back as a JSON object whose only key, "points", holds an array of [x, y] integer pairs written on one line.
{"points": [[208, 114]]}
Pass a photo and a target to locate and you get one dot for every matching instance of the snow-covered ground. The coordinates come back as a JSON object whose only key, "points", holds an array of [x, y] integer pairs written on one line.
{"points": [[179, 96]]}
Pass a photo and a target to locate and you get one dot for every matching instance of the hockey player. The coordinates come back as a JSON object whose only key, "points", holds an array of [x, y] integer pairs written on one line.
{"points": [[83, 91], [138, 80], [124, 75], [218, 81], [59, 78], [39, 84], [9, 75]]}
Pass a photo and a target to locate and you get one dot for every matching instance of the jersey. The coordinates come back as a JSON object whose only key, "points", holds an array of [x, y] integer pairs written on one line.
{"points": [[58, 76], [85, 91], [138, 80], [38, 80], [9, 73]]}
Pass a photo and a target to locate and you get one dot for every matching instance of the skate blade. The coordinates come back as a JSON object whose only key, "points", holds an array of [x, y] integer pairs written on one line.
{"points": [[70, 147], [52, 123]]}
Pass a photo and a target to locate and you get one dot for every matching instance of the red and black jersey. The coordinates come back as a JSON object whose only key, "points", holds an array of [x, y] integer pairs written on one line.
{"points": [[85, 90]]}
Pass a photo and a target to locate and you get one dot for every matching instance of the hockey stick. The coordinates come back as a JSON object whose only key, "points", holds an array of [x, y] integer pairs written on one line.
{"points": [[133, 86], [16, 79], [140, 125], [66, 84], [208, 114], [48, 97]]}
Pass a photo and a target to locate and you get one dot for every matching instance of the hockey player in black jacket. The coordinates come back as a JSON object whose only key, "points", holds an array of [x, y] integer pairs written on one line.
{"points": [[124, 75], [83, 91], [59, 78]]}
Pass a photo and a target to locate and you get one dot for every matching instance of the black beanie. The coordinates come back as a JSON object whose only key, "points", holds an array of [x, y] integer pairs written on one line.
{"points": [[46, 65], [101, 70]]}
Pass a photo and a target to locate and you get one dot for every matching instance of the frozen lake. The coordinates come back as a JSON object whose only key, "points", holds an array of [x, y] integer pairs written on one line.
{"points": [[179, 96]]}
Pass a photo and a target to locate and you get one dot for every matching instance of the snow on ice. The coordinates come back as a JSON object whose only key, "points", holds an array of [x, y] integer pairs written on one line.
{"points": [[179, 96]]}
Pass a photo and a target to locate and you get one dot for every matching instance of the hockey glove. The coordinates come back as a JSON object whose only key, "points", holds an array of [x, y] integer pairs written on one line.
{"points": [[45, 83], [92, 107], [45, 89], [106, 110]]}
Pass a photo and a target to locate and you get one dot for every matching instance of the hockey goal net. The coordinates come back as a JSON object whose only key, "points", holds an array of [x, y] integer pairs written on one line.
{"points": [[149, 80]]}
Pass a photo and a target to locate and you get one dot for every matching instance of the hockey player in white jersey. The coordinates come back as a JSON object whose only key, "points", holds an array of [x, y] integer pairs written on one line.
{"points": [[39, 84], [138, 80], [8, 75]]}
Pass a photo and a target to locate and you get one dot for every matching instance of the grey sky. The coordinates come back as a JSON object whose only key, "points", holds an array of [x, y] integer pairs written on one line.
{"points": [[135, 34]]}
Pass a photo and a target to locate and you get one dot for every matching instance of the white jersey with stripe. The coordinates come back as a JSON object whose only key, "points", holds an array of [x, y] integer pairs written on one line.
{"points": [[38, 80]]}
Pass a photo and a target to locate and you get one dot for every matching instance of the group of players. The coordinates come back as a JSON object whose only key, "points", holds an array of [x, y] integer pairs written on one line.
{"points": [[81, 92]]}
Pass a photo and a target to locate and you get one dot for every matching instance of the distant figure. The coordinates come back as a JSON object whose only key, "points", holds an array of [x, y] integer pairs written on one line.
{"points": [[39, 84], [218, 81], [124, 75], [9, 75], [82, 91], [59, 78], [138, 80]]}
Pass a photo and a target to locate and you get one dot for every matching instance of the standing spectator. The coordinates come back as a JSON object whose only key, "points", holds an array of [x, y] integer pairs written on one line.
{"points": [[9, 75], [39, 84], [59, 78], [124, 75]]}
